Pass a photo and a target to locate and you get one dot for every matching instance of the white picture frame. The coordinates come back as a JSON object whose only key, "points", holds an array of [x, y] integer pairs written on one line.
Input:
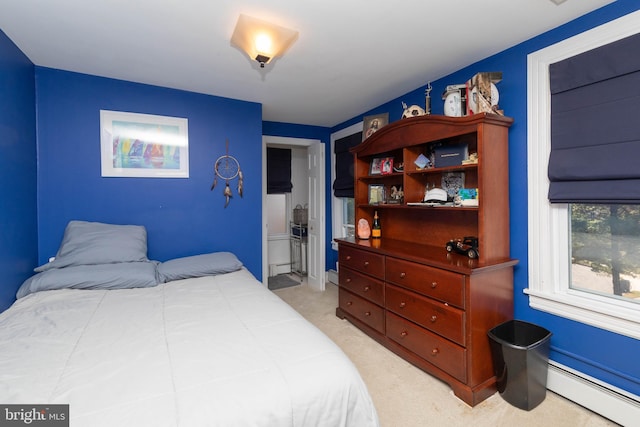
{"points": [[143, 145]]}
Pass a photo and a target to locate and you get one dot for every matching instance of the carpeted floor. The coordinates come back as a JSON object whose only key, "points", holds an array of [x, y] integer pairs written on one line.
{"points": [[405, 396], [282, 281]]}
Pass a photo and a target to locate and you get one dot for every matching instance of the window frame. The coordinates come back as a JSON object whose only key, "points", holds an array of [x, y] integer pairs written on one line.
{"points": [[337, 224], [549, 224]]}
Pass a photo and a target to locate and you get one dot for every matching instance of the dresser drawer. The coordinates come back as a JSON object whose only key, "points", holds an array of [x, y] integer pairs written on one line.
{"points": [[432, 282], [362, 285], [365, 311], [434, 315], [434, 349], [363, 261]]}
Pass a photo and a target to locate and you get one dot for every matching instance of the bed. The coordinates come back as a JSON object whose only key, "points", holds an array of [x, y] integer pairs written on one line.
{"points": [[202, 344]]}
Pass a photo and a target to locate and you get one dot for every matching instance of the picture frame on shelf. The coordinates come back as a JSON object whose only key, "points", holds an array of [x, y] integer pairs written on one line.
{"points": [[452, 182], [386, 165], [376, 166], [376, 194], [371, 124]]}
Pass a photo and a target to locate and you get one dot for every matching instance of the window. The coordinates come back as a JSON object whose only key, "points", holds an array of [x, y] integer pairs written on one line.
{"points": [[278, 205], [554, 239], [278, 190], [278, 170], [605, 250], [342, 208], [348, 217]]}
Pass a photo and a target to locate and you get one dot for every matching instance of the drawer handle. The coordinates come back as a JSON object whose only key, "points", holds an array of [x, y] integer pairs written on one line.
{"points": [[348, 257], [366, 263], [366, 288], [348, 280], [367, 313], [349, 303], [434, 318], [433, 285], [403, 275], [435, 352], [403, 304], [404, 334]]}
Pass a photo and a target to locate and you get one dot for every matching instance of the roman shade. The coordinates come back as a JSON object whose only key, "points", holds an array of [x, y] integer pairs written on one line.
{"points": [[278, 170], [343, 184], [595, 125]]}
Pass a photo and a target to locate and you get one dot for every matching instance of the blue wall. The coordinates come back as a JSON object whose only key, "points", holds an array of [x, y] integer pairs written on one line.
{"points": [[182, 216], [18, 214], [604, 355]]}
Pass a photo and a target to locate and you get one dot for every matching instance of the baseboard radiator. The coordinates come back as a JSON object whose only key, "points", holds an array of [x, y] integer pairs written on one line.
{"points": [[332, 276], [275, 269], [615, 404]]}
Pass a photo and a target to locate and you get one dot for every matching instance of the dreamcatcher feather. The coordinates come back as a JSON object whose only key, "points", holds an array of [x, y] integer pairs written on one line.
{"points": [[227, 168]]}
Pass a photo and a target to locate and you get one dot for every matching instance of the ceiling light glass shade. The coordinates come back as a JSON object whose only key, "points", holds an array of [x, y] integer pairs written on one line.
{"points": [[262, 40]]}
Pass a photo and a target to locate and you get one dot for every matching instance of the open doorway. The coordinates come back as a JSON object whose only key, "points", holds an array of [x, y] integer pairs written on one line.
{"points": [[308, 190]]}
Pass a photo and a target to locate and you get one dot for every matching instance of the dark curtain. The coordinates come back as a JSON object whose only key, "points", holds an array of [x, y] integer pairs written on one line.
{"points": [[278, 170], [595, 125], [343, 184]]}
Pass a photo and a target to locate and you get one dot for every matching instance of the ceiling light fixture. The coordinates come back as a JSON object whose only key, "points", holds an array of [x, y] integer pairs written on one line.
{"points": [[262, 40], [558, 2]]}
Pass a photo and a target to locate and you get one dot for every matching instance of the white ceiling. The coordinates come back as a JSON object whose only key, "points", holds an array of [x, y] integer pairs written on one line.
{"points": [[351, 55]]}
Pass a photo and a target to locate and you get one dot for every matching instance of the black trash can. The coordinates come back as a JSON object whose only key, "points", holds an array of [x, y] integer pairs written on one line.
{"points": [[520, 352]]}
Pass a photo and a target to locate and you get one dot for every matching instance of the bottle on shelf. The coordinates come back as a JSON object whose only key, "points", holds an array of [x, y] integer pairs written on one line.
{"points": [[376, 230]]}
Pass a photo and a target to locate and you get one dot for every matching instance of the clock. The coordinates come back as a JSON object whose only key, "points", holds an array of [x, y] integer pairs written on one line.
{"points": [[455, 101], [453, 105]]}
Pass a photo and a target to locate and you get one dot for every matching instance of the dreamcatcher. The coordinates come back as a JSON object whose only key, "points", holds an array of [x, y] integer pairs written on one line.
{"points": [[227, 168]]}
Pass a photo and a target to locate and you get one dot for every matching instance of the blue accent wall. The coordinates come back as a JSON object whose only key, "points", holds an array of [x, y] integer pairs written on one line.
{"points": [[604, 355], [182, 216], [18, 162]]}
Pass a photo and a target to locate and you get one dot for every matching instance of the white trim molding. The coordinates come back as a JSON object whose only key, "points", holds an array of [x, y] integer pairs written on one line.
{"points": [[548, 226]]}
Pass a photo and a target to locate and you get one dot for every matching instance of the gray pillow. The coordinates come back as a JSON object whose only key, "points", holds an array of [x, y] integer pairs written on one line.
{"points": [[198, 266], [86, 243], [103, 276]]}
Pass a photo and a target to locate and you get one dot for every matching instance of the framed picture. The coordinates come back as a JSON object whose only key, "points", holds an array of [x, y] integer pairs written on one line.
{"points": [[376, 166], [143, 145], [452, 182], [386, 165], [372, 123], [376, 194]]}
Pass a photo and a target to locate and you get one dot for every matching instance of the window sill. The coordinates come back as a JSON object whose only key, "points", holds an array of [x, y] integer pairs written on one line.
{"points": [[616, 316]]}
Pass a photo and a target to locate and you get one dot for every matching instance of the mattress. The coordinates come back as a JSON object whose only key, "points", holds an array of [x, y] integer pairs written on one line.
{"points": [[210, 351]]}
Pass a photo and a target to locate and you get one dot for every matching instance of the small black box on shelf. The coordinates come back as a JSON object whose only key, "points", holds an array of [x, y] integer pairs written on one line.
{"points": [[450, 155]]}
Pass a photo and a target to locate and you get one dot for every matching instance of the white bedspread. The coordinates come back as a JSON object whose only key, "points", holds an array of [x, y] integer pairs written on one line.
{"points": [[212, 351]]}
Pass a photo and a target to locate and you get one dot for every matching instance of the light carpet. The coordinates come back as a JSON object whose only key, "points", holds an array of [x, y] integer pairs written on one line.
{"points": [[406, 396]]}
